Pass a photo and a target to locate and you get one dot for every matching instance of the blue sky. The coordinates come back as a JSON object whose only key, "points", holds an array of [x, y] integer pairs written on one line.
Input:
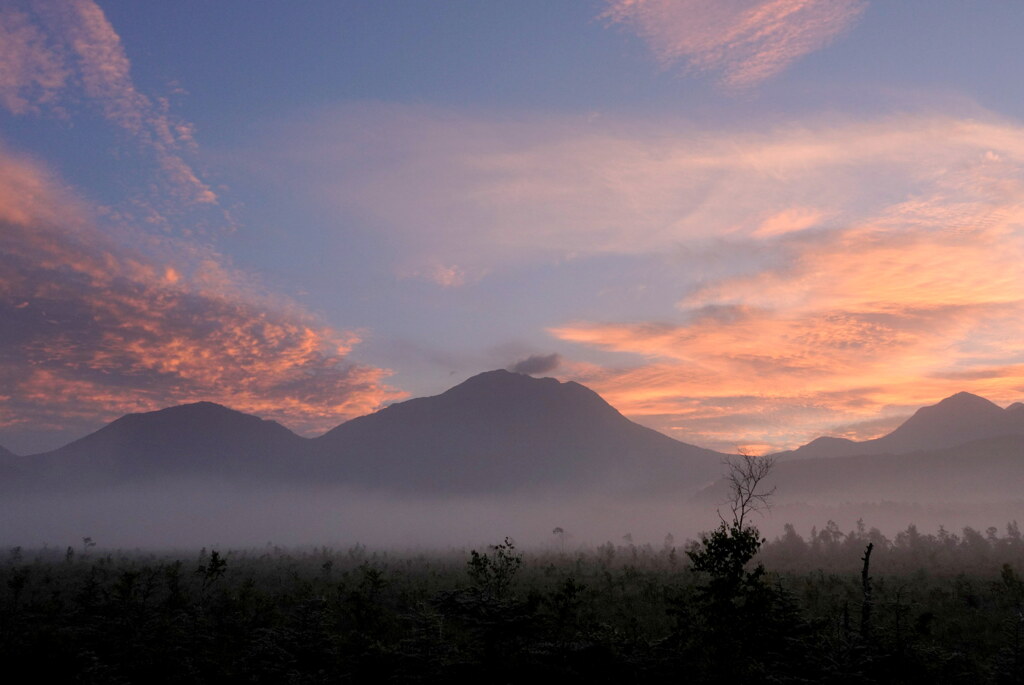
{"points": [[746, 223]]}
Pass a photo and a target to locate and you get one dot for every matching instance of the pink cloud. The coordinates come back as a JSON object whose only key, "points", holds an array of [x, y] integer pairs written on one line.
{"points": [[482, 191], [31, 72], [746, 41], [862, 324], [789, 221], [68, 47], [445, 276]]}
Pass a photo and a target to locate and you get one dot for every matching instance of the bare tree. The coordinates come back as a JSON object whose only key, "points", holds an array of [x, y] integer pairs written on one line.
{"points": [[724, 552], [748, 492]]}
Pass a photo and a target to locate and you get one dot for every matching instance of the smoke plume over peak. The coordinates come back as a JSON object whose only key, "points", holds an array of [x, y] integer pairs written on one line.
{"points": [[537, 363]]}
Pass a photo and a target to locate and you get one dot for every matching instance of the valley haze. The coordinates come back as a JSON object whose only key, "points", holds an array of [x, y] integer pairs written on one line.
{"points": [[502, 453]]}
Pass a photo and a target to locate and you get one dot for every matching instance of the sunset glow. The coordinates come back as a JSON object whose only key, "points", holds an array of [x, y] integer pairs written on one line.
{"points": [[744, 223]]}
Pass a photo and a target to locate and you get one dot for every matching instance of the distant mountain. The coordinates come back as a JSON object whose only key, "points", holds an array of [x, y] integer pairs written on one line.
{"points": [[956, 420], [989, 470], [502, 431], [1017, 410], [198, 439], [6, 453]]}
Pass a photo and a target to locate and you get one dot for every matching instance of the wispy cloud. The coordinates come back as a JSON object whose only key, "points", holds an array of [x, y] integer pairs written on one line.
{"points": [[746, 41], [93, 329], [481, 191], [32, 73], [446, 276], [889, 313], [824, 270], [53, 52]]}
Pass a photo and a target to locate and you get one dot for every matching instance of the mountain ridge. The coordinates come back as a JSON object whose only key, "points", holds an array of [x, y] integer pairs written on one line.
{"points": [[536, 431], [200, 438], [990, 469], [956, 420], [496, 431]]}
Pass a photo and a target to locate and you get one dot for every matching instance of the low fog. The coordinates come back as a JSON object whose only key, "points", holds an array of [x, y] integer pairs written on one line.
{"points": [[194, 514], [501, 454]]}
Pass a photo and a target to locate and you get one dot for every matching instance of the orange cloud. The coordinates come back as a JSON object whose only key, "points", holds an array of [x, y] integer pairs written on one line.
{"points": [[789, 221], [747, 41], [92, 329], [865, 322], [894, 310], [29, 195]]}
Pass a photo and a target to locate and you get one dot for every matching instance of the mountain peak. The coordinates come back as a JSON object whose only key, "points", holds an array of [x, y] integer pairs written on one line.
{"points": [[508, 386], [503, 378], [201, 407], [195, 416], [963, 407], [503, 430], [955, 420], [201, 436], [826, 446], [964, 399]]}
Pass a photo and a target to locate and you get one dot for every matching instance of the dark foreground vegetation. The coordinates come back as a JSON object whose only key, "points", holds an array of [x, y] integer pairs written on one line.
{"points": [[932, 608]]}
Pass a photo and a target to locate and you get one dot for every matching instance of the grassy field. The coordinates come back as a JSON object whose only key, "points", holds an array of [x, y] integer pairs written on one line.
{"points": [[937, 607]]}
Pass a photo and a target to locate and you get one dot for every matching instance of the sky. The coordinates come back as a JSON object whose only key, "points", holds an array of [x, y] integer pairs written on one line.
{"points": [[745, 223]]}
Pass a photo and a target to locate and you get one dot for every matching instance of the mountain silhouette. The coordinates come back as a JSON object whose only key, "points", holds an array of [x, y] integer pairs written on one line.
{"points": [[1016, 409], [987, 470], [197, 439], [964, 448], [501, 431], [498, 431], [956, 420], [9, 465]]}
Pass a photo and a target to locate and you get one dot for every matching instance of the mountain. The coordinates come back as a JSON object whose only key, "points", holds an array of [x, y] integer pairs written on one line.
{"points": [[198, 439], [498, 431], [956, 420], [502, 431], [9, 470], [988, 470], [965, 449]]}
